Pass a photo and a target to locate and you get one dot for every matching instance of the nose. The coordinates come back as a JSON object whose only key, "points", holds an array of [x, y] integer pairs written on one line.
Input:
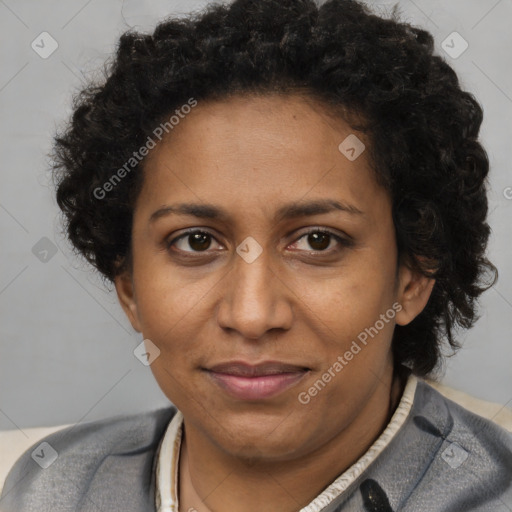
{"points": [[255, 299]]}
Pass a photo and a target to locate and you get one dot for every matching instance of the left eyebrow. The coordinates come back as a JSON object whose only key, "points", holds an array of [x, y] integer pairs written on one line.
{"points": [[318, 207], [288, 211]]}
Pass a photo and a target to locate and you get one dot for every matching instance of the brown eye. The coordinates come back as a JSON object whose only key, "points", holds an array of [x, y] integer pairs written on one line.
{"points": [[193, 241], [319, 241], [199, 241]]}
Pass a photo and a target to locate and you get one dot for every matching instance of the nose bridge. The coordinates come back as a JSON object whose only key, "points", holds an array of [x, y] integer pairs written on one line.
{"points": [[253, 301], [253, 279]]}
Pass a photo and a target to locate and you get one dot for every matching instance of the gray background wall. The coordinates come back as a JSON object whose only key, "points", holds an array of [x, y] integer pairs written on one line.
{"points": [[65, 345]]}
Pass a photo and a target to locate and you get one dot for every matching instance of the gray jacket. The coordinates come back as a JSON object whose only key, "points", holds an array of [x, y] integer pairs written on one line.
{"points": [[443, 459]]}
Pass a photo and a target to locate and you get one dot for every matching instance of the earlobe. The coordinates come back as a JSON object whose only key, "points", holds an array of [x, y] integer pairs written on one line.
{"points": [[126, 295], [413, 294]]}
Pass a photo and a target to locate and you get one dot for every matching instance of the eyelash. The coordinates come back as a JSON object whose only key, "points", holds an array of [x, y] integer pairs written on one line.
{"points": [[342, 241]]}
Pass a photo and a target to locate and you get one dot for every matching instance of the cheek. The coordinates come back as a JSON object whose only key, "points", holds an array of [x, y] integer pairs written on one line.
{"points": [[172, 308], [171, 316], [350, 310], [351, 300]]}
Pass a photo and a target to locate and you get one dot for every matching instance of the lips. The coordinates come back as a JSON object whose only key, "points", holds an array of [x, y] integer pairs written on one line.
{"points": [[256, 382], [247, 370]]}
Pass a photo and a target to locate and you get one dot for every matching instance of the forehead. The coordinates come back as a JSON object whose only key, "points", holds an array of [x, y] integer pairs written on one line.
{"points": [[256, 151]]}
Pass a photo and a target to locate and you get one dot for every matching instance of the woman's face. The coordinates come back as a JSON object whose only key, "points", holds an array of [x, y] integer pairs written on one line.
{"points": [[294, 258]]}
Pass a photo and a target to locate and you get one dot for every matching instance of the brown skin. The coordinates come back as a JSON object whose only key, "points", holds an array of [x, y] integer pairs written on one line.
{"points": [[296, 303]]}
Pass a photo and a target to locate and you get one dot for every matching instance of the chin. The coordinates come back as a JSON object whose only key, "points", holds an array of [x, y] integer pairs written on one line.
{"points": [[264, 450], [259, 440]]}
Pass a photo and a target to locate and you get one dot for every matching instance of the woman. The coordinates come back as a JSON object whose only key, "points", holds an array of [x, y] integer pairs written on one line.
{"points": [[291, 203]]}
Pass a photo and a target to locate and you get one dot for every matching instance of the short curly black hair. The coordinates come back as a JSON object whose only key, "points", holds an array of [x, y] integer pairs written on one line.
{"points": [[422, 126]]}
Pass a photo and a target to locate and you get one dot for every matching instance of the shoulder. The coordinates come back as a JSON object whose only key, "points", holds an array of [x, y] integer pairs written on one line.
{"points": [[458, 420], [470, 456], [85, 461], [496, 412]]}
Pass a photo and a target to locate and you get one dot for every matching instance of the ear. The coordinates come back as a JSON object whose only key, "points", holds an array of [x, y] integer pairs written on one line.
{"points": [[414, 290], [126, 295]]}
